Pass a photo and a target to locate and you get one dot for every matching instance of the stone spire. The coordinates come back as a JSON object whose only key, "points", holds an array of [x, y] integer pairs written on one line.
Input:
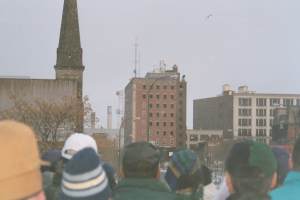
{"points": [[69, 52]]}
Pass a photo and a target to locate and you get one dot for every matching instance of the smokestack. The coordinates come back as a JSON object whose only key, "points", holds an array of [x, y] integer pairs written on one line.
{"points": [[109, 117], [93, 120]]}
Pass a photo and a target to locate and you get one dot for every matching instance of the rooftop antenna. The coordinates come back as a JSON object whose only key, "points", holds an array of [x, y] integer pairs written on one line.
{"points": [[136, 58]]}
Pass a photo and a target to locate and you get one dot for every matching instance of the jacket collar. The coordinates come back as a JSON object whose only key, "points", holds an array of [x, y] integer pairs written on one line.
{"points": [[150, 184]]}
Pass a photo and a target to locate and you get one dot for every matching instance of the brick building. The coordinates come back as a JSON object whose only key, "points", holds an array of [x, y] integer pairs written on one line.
{"points": [[155, 109]]}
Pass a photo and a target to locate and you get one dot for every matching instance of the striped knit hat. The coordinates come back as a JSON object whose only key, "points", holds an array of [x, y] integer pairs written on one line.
{"points": [[184, 170], [84, 178]]}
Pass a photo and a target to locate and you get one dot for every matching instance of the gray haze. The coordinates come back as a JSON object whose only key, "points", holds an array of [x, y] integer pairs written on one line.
{"points": [[253, 42]]}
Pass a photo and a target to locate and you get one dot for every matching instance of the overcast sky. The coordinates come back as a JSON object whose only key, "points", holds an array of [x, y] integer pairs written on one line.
{"points": [[240, 42]]}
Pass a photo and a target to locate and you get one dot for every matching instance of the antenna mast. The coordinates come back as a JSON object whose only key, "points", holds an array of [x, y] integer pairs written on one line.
{"points": [[136, 58]]}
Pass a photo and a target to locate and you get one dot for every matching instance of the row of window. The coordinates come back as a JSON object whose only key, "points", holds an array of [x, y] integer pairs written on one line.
{"points": [[158, 87], [164, 105], [259, 112], [158, 96], [262, 102], [259, 122], [163, 123], [248, 132], [164, 133], [164, 115]]}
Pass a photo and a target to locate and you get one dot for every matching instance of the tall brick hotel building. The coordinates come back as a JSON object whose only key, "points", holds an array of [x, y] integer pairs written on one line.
{"points": [[155, 109]]}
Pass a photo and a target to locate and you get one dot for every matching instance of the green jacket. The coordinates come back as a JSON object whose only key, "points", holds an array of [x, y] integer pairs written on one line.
{"points": [[142, 189]]}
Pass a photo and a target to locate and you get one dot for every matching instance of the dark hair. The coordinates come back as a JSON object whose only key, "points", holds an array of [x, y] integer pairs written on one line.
{"points": [[296, 155], [141, 160], [249, 182]]}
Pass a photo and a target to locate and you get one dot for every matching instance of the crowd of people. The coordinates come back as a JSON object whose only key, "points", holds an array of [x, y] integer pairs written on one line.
{"points": [[253, 171]]}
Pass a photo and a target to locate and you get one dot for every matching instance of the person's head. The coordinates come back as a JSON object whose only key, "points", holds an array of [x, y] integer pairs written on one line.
{"points": [[52, 156], [186, 172], [282, 158], [84, 178], [141, 160], [296, 156], [20, 176], [250, 171], [77, 142]]}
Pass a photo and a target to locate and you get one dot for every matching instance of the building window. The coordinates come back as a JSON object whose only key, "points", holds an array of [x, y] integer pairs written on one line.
{"points": [[172, 96], [150, 115], [271, 112], [144, 96], [172, 87], [244, 132], [150, 105], [245, 101], [157, 96], [172, 105], [172, 115], [245, 122], [165, 96], [271, 122], [172, 133], [165, 87], [298, 102], [157, 123], [165, 114], [165, 105], [165, 133], [157, 105], [287, 102], [157, 132], [245, 112], [181, 86], [172, 124], [261, 112], [145, 87], [150, 123], [261, 132], [150, 96], [157, 87], [194, 138], [274, 102], [261, 122], [261, 102], [165, 123], [157, 115]]}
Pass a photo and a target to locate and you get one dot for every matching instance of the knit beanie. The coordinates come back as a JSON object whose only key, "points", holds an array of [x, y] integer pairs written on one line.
{"points": [[184, 170], [250, 154], [84, 178]]}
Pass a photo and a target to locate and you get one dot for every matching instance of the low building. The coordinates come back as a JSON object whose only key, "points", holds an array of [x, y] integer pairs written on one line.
{"points": [[242, 113], [196, 137]]}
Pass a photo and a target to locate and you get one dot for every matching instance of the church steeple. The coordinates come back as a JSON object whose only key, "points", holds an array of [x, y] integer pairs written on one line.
{"points": [[69, 52]]}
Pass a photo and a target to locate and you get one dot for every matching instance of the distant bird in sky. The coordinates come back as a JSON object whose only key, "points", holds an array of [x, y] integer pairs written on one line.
{"points": [[208, 16]]}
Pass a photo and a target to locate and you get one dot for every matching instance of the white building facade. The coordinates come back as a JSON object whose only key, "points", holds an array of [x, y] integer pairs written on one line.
{"points": [[241, 113]]}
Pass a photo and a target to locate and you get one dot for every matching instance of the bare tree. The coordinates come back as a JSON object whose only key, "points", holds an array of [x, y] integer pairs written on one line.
{"points": [[45, 117]]}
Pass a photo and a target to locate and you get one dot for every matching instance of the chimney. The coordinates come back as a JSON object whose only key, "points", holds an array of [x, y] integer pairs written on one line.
{"points": [[109, 117], [93, 120]]}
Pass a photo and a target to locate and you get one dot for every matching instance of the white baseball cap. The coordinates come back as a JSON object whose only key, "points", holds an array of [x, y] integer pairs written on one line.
{"points": [[77, 142]]}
